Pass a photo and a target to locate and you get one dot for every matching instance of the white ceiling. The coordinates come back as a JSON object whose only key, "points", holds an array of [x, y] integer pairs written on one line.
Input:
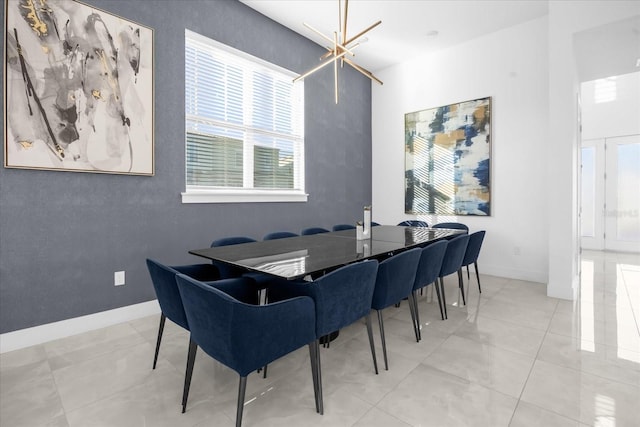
{"points": [[406, 24]]}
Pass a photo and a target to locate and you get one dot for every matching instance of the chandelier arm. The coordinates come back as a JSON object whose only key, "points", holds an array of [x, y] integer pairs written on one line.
{"points": [[363, 32], [327, 54], [335, 68], [324, 64], [341, 46], [329, 51], [327, 38], [363, 70], [344, 23]]}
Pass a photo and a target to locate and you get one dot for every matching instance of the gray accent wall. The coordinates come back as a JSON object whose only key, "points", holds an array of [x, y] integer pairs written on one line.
{"points": [[64, 234]]}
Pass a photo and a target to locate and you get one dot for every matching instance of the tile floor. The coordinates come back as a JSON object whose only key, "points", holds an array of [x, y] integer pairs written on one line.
{"points": [[511, 357]]}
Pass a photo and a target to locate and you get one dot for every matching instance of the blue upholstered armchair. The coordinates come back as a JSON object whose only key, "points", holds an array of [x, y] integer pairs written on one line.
{"points": [[427, 273], [394, 282], [164, 283], [245, 337], [472, 253], [452, 263], [414, 223], [227, 270], [279, 235], [313, 230], [452, 225], [342, 297], [340, 227]]}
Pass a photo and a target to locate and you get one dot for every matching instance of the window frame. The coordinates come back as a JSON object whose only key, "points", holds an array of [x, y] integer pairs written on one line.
{"points": [[213, 194]]}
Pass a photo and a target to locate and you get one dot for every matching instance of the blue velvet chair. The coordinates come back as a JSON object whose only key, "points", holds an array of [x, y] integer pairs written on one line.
{"points": [[414, 223], [279, 235], [342, 297], [261, 281], [452, 263], [472, 253], [164, 283], [245, 337], [427, 273], [452, 225], [313, 230], [340, 227], [226, 270], [394, 282]]}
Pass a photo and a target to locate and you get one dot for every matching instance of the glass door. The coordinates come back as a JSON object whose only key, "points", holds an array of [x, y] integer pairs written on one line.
{"points": [[592, 194], [622, 194], [610, 194]]}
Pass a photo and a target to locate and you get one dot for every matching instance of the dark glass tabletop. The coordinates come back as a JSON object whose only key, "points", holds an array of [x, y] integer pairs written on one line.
{"points": [[296, 257]]}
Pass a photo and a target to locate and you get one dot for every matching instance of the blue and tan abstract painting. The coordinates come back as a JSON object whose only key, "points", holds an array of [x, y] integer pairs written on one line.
{"points": [[79, 89], [448, 159]]}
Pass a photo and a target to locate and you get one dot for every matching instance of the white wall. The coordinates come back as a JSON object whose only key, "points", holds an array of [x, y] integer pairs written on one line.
{"points": [[511, 67]]}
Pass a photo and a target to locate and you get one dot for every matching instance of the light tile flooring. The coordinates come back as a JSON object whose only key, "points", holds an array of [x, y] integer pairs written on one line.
{"points": [[511, 357]]}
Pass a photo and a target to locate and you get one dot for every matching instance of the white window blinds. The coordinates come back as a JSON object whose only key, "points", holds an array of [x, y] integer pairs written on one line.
{"points": [[244, 126]]}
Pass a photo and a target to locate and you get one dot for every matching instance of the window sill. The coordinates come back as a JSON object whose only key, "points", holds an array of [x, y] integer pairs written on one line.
{"points": [[208, 196]]}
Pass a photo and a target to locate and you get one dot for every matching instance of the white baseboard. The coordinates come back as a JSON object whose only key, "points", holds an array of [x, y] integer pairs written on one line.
{"points": [[51, 331], [512, 273]]}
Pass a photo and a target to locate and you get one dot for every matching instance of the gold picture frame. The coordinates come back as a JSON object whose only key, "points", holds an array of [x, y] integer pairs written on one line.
{"points": [[78, 89]]}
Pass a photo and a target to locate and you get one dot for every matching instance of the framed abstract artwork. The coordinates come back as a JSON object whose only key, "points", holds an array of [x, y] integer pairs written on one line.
{"points": [[78, 89], [448, 159]]}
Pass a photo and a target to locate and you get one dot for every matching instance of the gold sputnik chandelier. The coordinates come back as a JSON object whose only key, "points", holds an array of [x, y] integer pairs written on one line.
{"points": [[341, 48]]}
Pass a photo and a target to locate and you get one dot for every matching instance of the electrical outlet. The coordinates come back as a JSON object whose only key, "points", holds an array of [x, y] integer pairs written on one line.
{"points": [[118, 278]]}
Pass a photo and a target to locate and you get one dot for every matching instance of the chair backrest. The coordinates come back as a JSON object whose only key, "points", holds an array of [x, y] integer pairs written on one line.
{"points": [[339, 227], [234, 240], [414, 223], [341, 297], [395, 278], [164, 283], [473, 247], [344, 296], [452, 261], [313, 230], [242, 336], [279, 235], [430, 264], [453, 225]]}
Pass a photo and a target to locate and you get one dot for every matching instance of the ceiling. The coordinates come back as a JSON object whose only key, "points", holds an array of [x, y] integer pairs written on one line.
{"points": [[408, 26]]}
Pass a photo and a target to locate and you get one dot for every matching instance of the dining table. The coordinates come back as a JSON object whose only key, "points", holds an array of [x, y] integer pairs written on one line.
{"points": [[308, 256]]}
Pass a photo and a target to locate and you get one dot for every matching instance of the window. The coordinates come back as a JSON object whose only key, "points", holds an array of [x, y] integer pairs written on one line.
{"points": [[244, 127]]}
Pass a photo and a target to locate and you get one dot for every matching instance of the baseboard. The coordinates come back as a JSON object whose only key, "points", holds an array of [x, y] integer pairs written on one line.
{"points": [[512, 273], [22, 338]]}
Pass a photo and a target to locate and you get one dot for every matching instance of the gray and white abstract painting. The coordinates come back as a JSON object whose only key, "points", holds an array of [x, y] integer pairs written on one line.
{"points": [[79, 89]]}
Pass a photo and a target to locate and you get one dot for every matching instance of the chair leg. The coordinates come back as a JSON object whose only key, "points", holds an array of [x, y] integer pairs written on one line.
{"points": [[242, 388], [415, 316], [475, 264], [314, 354], [191, 358], [444, 299], [461, 286], [373, 350], [163, 318], [468, 274], [384, 343], [435, 285]]}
